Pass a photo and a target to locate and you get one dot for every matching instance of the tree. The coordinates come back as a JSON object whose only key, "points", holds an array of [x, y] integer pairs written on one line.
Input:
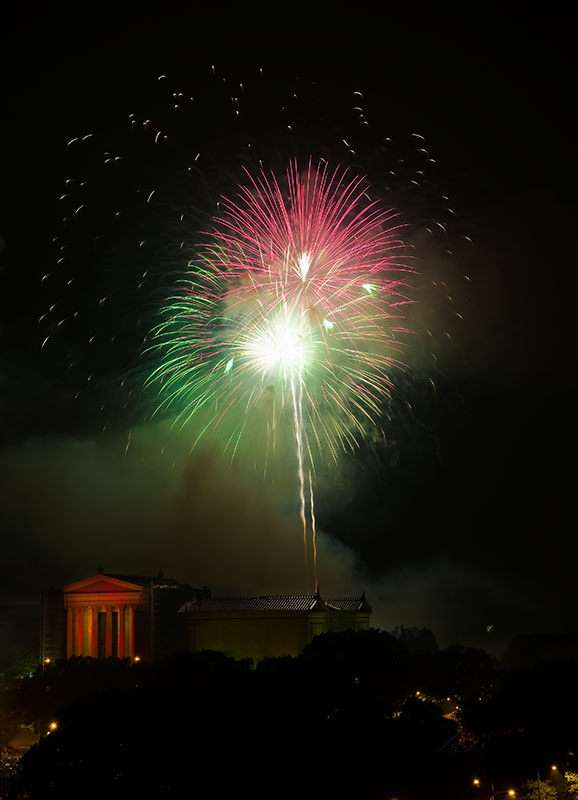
{"points": [[572, 783], [25, 663], [538, 790], [371, 660]]}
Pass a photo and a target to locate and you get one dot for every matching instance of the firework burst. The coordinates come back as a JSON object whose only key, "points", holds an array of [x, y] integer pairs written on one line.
{"points": [[299, 292], [135, 202]]}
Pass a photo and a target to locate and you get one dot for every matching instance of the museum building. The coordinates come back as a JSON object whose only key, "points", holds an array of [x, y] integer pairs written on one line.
{"points": [[138, 616]]}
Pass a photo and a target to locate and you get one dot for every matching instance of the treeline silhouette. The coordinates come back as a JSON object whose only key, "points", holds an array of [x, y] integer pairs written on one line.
{"points": [[358, 714]]}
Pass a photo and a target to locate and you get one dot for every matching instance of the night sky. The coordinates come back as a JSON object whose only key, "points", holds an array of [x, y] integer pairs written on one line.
{"points": [[463, 519]]}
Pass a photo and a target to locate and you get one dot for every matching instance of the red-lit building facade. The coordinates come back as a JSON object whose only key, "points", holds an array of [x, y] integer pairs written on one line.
{"points": [[118, 616]]}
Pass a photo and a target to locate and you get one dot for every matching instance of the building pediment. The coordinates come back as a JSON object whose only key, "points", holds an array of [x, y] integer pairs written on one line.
{"points": [[100, 584]]}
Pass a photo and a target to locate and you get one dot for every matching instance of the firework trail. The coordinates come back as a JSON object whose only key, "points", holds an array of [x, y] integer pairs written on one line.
{"points": [[313, 533], [297, 416]]}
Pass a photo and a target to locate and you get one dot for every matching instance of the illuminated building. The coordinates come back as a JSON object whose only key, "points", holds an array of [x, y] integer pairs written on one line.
{"points": [[269, 626], [137, 616], [119, 616]]}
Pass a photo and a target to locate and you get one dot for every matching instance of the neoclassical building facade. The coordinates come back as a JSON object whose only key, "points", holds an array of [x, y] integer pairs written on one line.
{"points": [[118, 616], [101, 613]]}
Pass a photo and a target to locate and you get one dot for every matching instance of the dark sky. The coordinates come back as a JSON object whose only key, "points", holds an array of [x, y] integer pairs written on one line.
{"points": [[462, 520]]}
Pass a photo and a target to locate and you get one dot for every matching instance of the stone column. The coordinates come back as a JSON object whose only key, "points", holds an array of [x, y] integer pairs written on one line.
{"points": [[115, 641], [87, 627], [79, 631], [108, 636], [130, 631], [121, 632], [94, 639]]}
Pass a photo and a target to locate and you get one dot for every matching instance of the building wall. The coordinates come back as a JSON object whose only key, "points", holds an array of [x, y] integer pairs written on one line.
{"points": [[250, 634], [258, 634], [348, 621]]}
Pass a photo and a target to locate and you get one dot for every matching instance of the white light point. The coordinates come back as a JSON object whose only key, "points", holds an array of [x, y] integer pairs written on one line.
{"points": [[304, 264]]}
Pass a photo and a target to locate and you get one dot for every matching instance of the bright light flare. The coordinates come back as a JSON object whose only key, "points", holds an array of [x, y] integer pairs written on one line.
{"points": [[277, 344]]}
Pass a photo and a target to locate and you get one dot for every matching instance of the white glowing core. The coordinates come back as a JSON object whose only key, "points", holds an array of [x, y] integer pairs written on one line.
{"points": [[277, 344]]}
